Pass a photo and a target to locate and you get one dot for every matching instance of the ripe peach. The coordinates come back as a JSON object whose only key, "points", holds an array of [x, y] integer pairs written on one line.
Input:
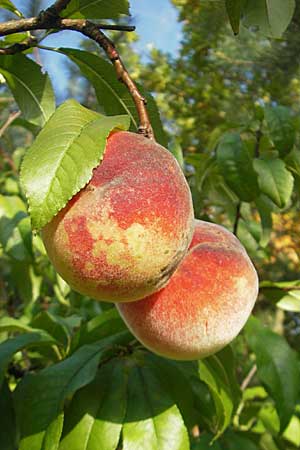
{"points": [[123, 235], [205, 303]]}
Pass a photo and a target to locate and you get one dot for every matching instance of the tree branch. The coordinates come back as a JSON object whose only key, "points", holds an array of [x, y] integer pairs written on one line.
{"points": [[258, 136], [237, 218], [10, 119], [249, 377], [9, 160], [50, 20], [45, 23]]}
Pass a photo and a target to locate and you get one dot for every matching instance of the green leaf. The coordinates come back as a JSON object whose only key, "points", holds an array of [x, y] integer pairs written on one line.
{"points": [[293, 161], [281, 128], [53, 433], [214, 374], [15, 229], [234, 10], [238, 441], [279, 284], [13, 39], [30, 87], [153, 421], [11, 324], [40, 398], [285, 293], [95, 417], [292, 432], [96, 9], [227, 359], [267, 443], [236, 167], [269, 417], [112, 95], [270, 17], [8, 430], [174, 377], [105, 324], [266, 221], [25, 282], [205, 443], [11, 346], [9, 6], [290, 302], [277, 368], [61, 160], [204, 402], [275, 181], [52, 324], [176, 150]]}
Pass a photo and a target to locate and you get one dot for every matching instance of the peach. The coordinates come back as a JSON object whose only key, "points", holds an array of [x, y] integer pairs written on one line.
{"points": [[205, 303], [123, 235]]}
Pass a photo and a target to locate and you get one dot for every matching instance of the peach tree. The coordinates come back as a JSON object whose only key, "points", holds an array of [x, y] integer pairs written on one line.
{"points": [[71, 374]]}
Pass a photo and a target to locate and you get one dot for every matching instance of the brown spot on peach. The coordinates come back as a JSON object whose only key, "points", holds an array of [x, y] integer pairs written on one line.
{"points": [[205, 303]]}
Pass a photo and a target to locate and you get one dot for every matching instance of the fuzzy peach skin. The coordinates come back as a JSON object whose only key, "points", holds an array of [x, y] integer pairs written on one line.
{"points": [[123, 235], [206, 302]]}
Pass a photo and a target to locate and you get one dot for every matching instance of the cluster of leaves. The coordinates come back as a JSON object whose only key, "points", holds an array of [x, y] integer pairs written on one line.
{"points": [[71, 375], [196, 93], [251, 170]]}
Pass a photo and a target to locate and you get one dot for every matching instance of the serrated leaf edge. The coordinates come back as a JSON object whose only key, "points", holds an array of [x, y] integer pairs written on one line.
{"points": [[41, 224]]}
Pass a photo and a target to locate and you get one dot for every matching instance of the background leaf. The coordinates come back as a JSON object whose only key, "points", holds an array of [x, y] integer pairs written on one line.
{"points": [[277, 368], [236, 441], [174, 377], [290, 301], [95, 417], [271, 17], [9, 6], [53, 326], [266, 221], [274, 180], [153, 420], [234, 10], [53, 434], [8, 432], [176, 150], [96, 9], [60, 163], [15, 228], [236, 167], [11, 324], [31, 88], [218, 379], [53, 385], [11, 346], [101, 326], [281, 128]]}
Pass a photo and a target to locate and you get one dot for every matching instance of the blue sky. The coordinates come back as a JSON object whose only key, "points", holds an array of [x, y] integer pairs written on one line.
{"points": [[156, 24]]}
